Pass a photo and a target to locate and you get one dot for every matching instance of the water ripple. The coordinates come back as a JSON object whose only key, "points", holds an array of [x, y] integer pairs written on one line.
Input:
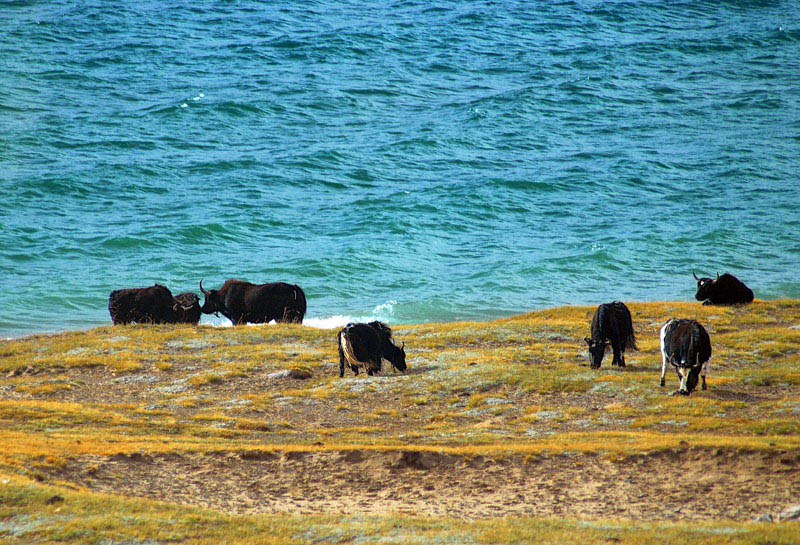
{"points": [[457, 160]]}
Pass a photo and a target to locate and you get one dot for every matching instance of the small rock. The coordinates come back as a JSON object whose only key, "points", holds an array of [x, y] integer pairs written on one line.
{"points": [[290, 373], [790, 513], [294, 455], [766, 517], [257, 455], [414, 460], [353, 457], [53, 499]]}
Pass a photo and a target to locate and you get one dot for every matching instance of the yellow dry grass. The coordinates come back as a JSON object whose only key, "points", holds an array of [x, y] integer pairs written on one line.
{"points": [[514, 386]]}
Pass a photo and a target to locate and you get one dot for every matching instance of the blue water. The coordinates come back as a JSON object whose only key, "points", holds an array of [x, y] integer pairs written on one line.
{"points": [[412, 161]]}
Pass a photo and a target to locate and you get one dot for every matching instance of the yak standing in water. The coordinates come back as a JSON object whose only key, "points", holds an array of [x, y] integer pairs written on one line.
{"points": [[686, 345], [611, 323], [242, 302], [153, 305], [365, 345], [723, 290], [187, 308]]}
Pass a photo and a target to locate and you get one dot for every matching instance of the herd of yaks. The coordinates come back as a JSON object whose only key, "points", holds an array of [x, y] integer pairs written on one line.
{"points": [[685, 343]]}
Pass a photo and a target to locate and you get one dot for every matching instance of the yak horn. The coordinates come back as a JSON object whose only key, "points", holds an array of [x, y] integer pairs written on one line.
{"points": [[205, 292], [717, 276], [695, 276]]}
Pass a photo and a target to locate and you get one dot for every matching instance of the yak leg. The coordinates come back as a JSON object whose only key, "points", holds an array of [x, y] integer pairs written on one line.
{"points": [[663, 359], [619, 359], [373, 371], [341, 361], [703, 371]]}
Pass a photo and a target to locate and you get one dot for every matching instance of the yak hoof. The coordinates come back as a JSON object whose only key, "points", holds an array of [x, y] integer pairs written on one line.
{"points": [[662, 382]]}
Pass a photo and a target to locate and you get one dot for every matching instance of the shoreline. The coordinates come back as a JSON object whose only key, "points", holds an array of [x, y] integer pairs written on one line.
{"points": [[337, 321]]}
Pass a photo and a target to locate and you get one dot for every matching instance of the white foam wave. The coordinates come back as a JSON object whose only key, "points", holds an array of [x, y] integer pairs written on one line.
{"points": [[383, 312], [329, 322], [215, 321]]}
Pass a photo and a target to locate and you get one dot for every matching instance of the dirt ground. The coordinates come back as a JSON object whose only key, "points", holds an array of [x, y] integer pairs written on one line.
{"points": [[690, 484]]}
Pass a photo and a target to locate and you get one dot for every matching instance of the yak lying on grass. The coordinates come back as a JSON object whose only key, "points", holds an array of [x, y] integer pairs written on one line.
{"points": [[612, 324], [365, 345], [723, 290]]}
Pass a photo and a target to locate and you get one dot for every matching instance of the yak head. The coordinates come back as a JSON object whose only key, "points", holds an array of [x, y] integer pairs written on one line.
{"points": [[689, 375], [597, 350], [187, 307], [397, 356], [213, 302], [705, 287], [390, 351]]}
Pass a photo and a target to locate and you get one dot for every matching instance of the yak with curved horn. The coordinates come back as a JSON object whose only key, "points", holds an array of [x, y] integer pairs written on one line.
{"points": [[723, 290], [242, 302]]}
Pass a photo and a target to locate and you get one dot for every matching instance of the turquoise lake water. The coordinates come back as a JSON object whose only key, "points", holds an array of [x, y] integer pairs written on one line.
{"points": [[409, 161]]}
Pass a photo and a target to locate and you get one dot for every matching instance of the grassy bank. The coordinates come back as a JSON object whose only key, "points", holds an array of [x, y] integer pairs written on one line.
{"points": [[517, 388]]}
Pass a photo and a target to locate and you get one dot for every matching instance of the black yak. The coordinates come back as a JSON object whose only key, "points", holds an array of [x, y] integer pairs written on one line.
{"points": [[723, 290], [187, 308], [365, 345], [686, 345], [242, 302], [612, 324], [153, 305]]}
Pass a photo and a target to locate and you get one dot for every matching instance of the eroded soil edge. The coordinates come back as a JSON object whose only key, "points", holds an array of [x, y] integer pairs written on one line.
{"points": [[690, 484]]}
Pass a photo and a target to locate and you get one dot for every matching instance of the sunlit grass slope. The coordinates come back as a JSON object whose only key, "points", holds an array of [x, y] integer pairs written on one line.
{"points": [[513, 386]]}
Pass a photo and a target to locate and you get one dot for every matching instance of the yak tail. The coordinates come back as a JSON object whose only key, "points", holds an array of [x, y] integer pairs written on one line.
{"points": [[300, 297], [631, 341], [347, 348]]}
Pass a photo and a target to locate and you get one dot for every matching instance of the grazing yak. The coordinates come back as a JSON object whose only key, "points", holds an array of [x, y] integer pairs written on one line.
{"points": [[153, 305], [686, 345], [365, 345], [242, 302], [611, 323], [723, 290]]}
